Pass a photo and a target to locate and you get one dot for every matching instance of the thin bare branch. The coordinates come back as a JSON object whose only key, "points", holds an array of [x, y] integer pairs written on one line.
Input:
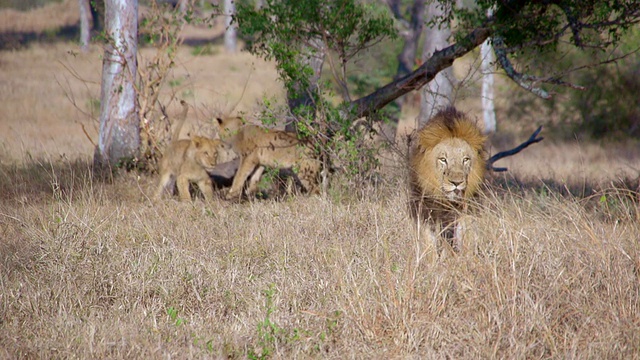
{"points": [[527, 82], [524, 81], [503, 154]]}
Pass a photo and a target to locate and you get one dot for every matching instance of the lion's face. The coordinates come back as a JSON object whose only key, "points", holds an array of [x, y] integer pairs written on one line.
{"points": [[453, 160], [447, 162], [205, 151]]}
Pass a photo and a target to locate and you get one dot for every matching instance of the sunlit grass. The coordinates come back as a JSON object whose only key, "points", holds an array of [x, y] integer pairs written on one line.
{"points": [[97, 270], [92, 269]]}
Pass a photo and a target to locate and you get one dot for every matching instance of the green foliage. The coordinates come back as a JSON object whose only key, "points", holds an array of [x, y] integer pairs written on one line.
{"points": [[284, 30], [529, 24]]}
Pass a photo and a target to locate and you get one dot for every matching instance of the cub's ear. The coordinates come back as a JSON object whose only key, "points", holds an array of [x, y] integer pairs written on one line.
{"points": [[197, 141]]}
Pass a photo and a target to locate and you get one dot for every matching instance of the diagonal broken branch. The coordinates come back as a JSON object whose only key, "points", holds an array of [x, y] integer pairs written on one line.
{"points": [[503, 154], [527, 82]]}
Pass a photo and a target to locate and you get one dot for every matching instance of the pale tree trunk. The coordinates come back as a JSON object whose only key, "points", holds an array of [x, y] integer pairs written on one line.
{"points": [[437, 93], [486, 67], [230, 34], [85, 24], [182, 5], [298, 97], [119, 137]]}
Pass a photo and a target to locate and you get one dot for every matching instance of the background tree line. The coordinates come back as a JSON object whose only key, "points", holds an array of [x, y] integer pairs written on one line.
{"points": [[545, 47]]}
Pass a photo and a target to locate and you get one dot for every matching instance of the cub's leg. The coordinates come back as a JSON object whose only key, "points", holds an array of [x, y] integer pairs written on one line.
{"points": [[167, 182], [206, 186], [247, 165], [183, 188]]}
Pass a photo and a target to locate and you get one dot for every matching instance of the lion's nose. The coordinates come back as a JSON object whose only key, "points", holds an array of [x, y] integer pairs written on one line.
{"points": [[455, 183]]}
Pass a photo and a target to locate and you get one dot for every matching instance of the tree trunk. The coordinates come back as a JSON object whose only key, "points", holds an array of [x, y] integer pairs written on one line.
{"points": [[230, 34], [437, 93], [85, 24], [119, 137], [182, 6], [488, 110], [486, 67]]}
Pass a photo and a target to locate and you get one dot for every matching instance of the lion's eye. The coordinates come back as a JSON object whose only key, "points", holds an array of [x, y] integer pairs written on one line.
{"points": [[466, 160], [443, 161]]}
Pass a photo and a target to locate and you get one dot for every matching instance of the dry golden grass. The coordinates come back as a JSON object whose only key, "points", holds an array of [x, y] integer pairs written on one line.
{"points": [[49, 17], [96, 270]]}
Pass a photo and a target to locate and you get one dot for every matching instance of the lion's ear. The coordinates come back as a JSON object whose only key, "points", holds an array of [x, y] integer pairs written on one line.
{"points": [[197, 141]]}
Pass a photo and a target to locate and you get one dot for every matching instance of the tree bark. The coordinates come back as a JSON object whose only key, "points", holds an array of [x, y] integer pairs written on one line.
{"points": [[230, 33], [119, 136], [437, 93], [85, 24], [182, 6], [486, 68]]}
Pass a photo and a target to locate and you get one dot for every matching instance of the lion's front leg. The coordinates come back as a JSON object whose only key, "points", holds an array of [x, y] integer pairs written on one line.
{"points": [[247, 165], [253, 181]]}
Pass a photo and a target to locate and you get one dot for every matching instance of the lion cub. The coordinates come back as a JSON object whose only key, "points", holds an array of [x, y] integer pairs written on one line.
{"points": [[259, 147], [187, 161]]}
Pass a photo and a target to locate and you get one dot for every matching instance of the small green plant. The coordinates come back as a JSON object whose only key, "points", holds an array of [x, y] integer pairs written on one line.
{"points": [[93, 104], [269, 332], [204, 50], [173, 316], [175, 82]]}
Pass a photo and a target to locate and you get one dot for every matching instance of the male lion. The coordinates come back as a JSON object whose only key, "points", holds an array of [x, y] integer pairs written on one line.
{"points": [[259, 147], [447, 167], [188, 161]]}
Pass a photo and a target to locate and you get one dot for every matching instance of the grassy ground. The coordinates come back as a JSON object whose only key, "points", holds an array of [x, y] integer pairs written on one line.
{"points": [[96, 270]]}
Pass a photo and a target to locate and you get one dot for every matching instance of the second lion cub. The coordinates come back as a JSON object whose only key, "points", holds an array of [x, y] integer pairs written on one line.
{"points": [[259, 147], [186, 161]]}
